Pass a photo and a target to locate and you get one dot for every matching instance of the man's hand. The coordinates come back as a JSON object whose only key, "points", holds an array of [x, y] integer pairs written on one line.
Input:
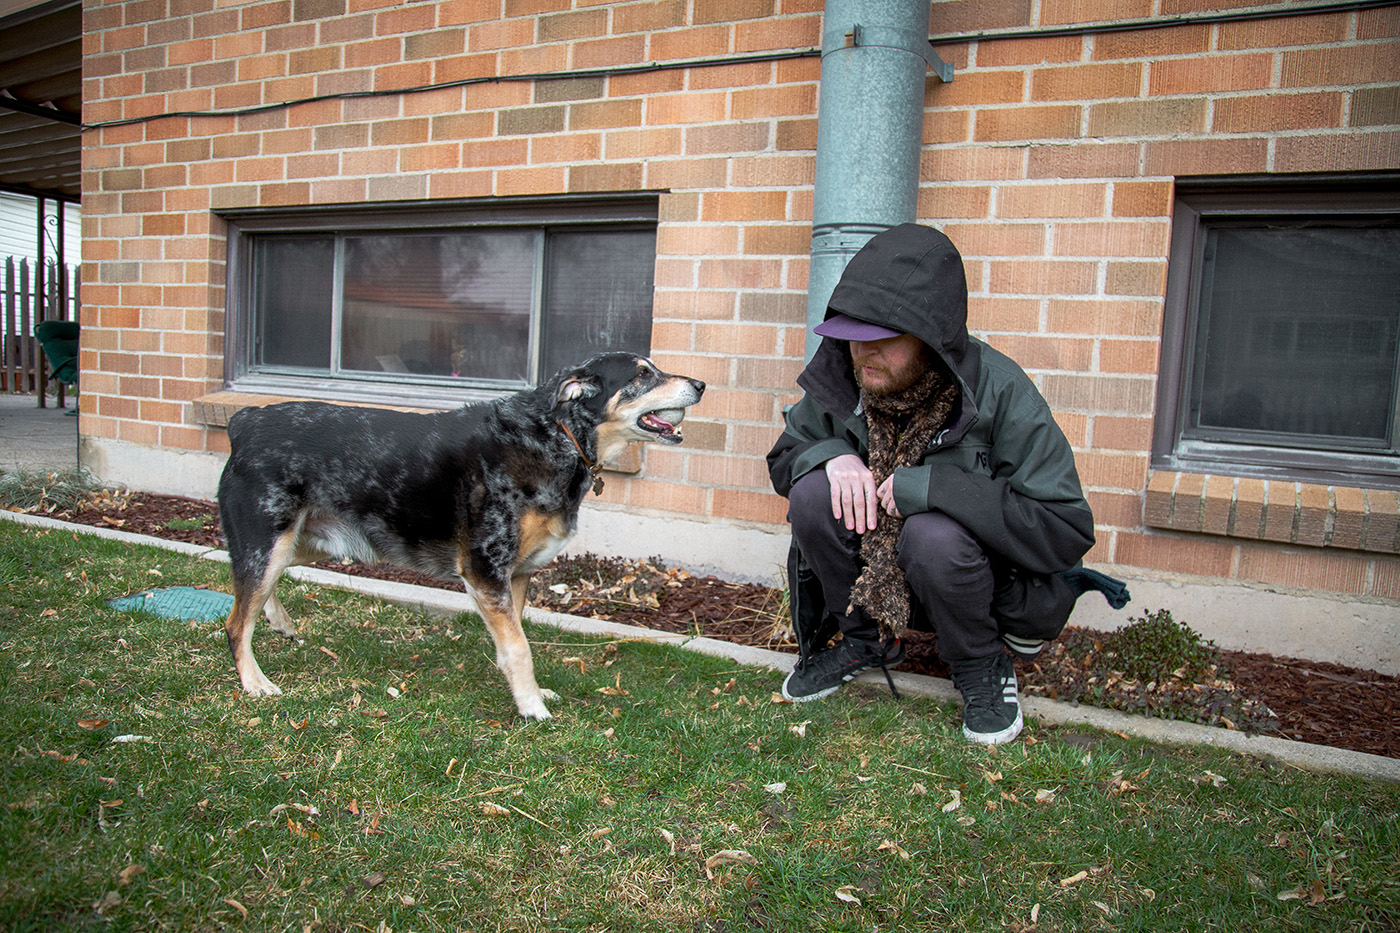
{"points": [[853, 495], [886, 496]]}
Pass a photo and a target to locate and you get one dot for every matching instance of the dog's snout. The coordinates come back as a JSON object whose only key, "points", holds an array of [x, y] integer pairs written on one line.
{"points": [[697, 385]]}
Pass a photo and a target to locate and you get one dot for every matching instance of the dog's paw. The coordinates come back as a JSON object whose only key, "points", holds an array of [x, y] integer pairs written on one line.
{"points": [[262, 688], [548, 694], [534, 708]]}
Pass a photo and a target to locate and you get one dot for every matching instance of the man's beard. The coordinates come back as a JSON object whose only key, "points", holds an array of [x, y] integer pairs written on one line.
{"points": [[895, 381]]}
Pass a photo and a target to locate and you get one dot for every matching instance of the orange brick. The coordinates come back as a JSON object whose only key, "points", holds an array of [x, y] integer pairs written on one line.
{"points": [[1011, 52], [1121, 395], [1281, 511], [741, 273], [1042, 277], [1304, 569], [1218, 505], [728, 404], [1026, 123], [768, 508], [1250, 495], [943, 201], [1086, 82], [698, 240], [1258, 113], [1207, 156], [1136, 278], [686, 173], [1153, 44], [1141, 199], [1122, 433], [668, 497], [1003, 313], [727, 138], [1210, 74], [1152, 117], [978, 89], [695, 42], [788, 33], [670, 109], [1349, 517], [1112, 238], [1361, 151], [1187, 504], [768, 102], [605, 114], [1314, 508], [1040, 353], [642, 144], [1112, 471], [977, 163], [1052, 201], [722, 470], [1177, 552], [761, 373], [743, 206], [1138, 357], [648, 17], [1382, 520], [998, 238], [577, 24], [1340, 65], [604, 53], [777, 240]]}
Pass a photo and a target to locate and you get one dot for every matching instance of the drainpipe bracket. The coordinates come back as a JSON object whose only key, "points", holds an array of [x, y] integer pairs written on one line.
{"points": [[888, 37]]}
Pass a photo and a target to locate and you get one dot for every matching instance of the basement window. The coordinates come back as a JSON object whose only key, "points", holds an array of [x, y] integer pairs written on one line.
{"points": [[428, 303], [1281, 342]]}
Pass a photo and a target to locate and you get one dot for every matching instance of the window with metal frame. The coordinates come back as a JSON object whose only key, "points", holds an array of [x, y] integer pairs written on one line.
{"points": [[427, 301], [1281, 341]]}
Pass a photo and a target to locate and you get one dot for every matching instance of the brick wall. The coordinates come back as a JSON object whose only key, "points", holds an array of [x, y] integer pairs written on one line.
{"points": [[1050, 161]]}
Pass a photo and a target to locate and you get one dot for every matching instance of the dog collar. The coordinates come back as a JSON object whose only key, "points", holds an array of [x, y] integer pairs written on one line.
{"points": [[595, 470]]}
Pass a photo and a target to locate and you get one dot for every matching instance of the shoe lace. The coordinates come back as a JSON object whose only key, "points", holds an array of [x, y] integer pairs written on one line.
{"points": [[843, 654], [981, 686]]}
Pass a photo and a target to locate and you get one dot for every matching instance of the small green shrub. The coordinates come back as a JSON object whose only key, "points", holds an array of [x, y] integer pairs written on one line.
{"points": [[37, 491], [1156, 646]]}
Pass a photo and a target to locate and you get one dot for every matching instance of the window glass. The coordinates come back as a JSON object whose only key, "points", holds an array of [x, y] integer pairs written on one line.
{"points": [[1298, 333], [594, 288], [293, 284], [444, 305]]}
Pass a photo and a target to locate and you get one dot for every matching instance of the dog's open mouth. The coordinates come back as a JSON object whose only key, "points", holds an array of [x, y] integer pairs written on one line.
{"points": [[664, 423]]}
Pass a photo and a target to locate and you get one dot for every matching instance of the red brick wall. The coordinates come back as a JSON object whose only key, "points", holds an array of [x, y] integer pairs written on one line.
{"points": [[1050, 161]]}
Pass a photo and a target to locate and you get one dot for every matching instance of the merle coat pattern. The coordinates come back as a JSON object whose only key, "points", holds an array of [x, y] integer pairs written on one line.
{"points": [[485, 494]]}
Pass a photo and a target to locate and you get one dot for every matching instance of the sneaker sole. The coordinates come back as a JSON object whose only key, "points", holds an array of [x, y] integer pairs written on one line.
{"points": [[996, 738]]}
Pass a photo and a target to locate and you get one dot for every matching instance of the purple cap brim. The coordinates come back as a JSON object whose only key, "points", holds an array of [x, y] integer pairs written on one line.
{"points": [[841, 327]]}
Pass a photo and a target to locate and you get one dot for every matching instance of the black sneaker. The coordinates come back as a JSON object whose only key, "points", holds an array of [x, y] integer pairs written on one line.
{"points": [[991, 711], [820, 675]]}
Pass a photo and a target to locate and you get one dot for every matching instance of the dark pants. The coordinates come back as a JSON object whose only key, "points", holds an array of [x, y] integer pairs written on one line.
{"points": [[954, 581]]}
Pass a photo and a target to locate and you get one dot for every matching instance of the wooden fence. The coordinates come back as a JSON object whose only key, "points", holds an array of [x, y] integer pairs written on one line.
{"points": [[31, 293]]}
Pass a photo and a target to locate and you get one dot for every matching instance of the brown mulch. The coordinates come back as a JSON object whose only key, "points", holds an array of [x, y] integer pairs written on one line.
{"points": [[1310, 701]]}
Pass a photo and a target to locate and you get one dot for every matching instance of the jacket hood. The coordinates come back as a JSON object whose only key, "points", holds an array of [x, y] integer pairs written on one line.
{"points": [[909, 278]]}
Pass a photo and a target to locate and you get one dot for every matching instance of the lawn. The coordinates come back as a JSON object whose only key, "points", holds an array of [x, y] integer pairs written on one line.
{"points": [[392, 787]]}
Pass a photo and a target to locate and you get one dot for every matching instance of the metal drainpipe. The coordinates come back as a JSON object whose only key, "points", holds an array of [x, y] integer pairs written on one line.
{"points": [[870, 118]]}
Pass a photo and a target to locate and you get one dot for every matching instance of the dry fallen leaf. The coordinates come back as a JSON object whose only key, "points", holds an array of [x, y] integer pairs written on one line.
{"points": [[237, 906], [953, 804], [1073, 879], [91, 724], [847, 893], [492, 809], [776, 788], [893, 847], [725, 856], [128, 874], [1045, 797], [800, 730], [374, 880]]}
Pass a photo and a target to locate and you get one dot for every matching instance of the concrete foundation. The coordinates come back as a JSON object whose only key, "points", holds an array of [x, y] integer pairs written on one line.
{"points": [[1316, 626]]}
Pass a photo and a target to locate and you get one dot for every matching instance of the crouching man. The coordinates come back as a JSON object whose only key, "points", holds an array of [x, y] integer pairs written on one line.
{"points": [[928, 485]]}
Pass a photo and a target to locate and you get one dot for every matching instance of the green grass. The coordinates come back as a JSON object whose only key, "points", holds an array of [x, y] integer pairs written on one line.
{"points": [[340, 807]]}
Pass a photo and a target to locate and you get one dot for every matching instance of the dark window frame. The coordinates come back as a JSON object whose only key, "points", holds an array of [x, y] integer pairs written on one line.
{"points": [[244, 226], [1199, 202]]}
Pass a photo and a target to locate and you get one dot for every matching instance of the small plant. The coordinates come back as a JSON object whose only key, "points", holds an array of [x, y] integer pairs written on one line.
{"points": [[1157, 646], [45, 493], [189, 524]]}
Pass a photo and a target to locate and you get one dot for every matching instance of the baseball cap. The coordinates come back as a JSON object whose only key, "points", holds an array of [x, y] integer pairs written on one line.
{"points": [[843, 327]]}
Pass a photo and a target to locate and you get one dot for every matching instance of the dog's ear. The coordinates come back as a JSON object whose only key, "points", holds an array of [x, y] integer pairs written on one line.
{"points": [[576, 385]]}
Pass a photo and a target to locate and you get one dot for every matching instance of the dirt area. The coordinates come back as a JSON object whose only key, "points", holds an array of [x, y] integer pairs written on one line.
{"points": [[1306, 700]]}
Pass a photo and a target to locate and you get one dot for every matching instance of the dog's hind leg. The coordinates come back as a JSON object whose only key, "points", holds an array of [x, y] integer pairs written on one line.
{"points": [[498, 608], [251, 592]]}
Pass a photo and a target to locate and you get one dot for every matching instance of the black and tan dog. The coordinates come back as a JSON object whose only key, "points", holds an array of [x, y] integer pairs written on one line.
{"points": [[486, 494]]}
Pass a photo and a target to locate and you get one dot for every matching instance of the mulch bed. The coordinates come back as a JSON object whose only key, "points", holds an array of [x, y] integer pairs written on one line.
{"points": [[1310, 701]]}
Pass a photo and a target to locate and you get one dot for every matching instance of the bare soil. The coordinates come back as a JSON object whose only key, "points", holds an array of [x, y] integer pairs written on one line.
{"points": [[1309, 701]]}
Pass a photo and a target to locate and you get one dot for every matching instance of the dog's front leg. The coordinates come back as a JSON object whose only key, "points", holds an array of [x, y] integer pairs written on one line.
{"points": [[513, 652]]}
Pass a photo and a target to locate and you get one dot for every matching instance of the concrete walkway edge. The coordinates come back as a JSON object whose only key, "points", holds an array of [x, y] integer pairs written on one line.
{"points": [[1303, 755]]}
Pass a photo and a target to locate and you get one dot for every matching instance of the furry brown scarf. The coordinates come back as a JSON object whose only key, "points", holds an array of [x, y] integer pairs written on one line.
{"points": [[901, 426]]}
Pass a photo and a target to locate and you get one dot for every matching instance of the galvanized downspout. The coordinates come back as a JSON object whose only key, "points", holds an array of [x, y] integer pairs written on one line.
{"points": [[870, 117]]}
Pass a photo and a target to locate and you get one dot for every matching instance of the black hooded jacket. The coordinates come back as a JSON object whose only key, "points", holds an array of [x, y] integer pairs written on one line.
{"points": [[1001, 466]]}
